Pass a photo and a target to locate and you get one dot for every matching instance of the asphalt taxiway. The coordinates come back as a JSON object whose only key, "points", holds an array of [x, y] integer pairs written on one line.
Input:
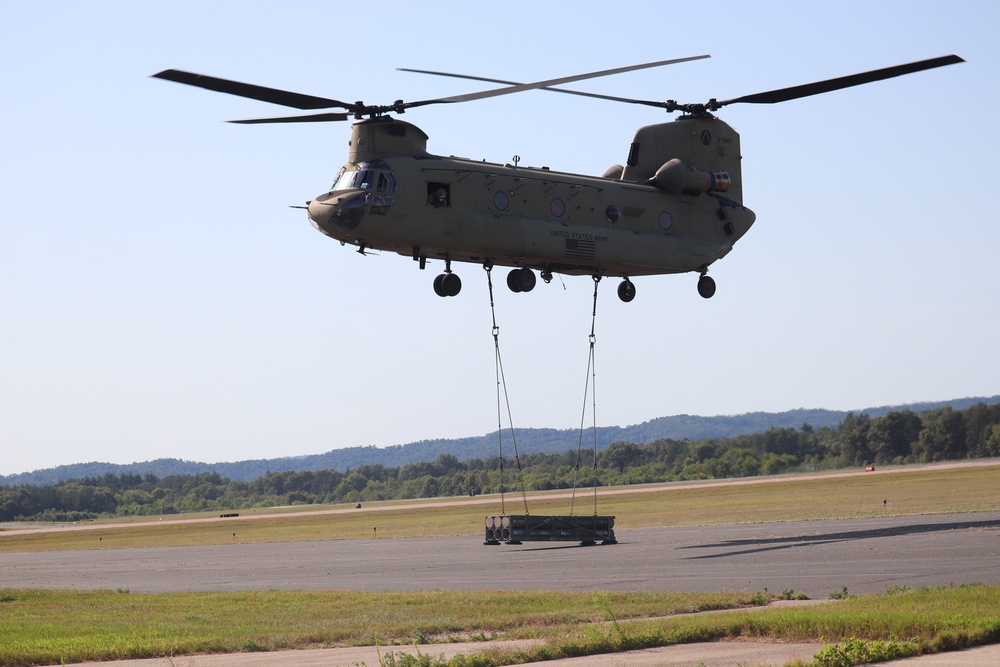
{"points": [[811, 557]]}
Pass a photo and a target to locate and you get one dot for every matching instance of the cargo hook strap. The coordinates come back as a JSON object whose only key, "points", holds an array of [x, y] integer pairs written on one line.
{"points": [[590, 386], [502, 383]]}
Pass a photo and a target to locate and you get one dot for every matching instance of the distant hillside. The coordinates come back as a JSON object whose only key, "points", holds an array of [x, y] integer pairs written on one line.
{"points": [[544, 440]]}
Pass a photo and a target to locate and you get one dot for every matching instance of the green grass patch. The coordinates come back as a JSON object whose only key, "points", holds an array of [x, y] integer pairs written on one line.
{"points": [[49, 627], [860, 628], [46, 627]]}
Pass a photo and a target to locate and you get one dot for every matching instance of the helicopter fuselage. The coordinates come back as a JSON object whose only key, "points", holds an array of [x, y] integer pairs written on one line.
{"points": [[392, 195]]}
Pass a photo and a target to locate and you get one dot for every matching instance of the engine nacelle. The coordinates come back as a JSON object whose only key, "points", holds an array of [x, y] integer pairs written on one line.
{"points": [[678, 178]]}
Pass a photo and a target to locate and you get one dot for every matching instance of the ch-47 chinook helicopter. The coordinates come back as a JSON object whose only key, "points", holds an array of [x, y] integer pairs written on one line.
{"points": [[676, 206]]}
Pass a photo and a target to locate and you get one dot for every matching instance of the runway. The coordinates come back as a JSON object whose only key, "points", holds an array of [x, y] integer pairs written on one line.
{"points": [[811, 557]]}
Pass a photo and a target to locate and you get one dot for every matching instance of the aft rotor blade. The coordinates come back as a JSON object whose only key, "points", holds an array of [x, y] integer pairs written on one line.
{"points": [[806, 90], [313, 118], [508, 90], [254, 92], [548, 88]]}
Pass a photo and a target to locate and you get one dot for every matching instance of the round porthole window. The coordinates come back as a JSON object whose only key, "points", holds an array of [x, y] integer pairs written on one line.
{"points": [[666, 220], [558, 207], [501, 201], [613, 214]]}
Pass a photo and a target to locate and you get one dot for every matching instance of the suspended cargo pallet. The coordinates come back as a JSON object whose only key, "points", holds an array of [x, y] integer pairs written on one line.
{"points": [[507, 529]]}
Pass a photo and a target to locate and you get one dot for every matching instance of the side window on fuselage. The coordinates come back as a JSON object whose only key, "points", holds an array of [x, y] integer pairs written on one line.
{"points": [[438, 194]]}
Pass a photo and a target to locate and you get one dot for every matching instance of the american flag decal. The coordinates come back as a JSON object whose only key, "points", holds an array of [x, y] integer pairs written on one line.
{"points": [[580, 249]]}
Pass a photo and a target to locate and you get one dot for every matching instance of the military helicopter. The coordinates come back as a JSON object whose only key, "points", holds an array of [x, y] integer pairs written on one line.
{"points": [[676, 206]]}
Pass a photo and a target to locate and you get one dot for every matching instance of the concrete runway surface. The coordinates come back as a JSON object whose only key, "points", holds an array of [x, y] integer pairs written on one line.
{"points": [[812, 557]]}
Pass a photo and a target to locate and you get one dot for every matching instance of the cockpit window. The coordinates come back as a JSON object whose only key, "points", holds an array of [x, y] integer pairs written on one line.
{"points": [[344, 180], [386, 182], [375, 176]]}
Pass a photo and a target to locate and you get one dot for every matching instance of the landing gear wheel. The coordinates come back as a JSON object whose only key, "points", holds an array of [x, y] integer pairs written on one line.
{"points": [[447, 284], [626, 290], [706, 287], [512, 281], [527, 280], [521, 280], [451, 285]]}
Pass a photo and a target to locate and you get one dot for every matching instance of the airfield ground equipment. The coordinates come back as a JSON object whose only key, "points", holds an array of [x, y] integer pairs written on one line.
{"points": [[586, 530]]}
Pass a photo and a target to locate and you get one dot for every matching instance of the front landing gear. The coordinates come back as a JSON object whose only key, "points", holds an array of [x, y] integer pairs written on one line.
{"points": [[447, 283], [521, 280]]}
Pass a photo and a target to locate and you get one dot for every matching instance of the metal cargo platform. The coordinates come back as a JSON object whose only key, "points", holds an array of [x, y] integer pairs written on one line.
{"points": [[506, 529]]}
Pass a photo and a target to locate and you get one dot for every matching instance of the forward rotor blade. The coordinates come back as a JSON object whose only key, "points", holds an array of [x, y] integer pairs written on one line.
{"points": [[517, 88], [612, 98], [314, 118], [272, 95], [809, 89]]}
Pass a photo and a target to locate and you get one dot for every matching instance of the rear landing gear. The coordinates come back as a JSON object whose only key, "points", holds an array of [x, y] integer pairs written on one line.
{"points": [[626, 290], [706, 287]]}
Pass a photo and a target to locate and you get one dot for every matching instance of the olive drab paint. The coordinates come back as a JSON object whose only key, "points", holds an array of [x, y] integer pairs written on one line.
{"points": [[454, 209]]}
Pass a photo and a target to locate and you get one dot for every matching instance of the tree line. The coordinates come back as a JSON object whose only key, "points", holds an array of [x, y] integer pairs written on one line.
{"points": [[898, 437]]}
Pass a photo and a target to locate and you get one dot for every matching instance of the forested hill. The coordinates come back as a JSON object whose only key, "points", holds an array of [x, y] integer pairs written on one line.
{"points": [[536, 440]]}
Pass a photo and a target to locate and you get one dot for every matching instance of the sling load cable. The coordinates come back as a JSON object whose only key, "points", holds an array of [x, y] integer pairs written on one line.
{"points": [[590, 385], [502, 382]]}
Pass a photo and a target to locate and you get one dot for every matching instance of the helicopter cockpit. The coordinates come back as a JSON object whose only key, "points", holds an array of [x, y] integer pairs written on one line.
{"points": [[367, 189], [376, 178]]}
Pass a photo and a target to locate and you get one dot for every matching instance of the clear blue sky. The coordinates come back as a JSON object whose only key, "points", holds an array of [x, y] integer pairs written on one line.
{"points": [[160, 299]]}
